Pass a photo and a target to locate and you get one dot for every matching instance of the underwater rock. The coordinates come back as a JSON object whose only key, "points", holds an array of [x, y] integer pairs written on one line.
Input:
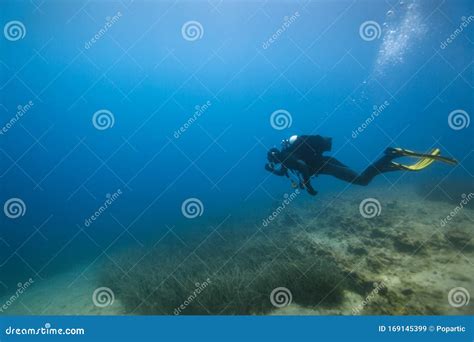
{"points": [[403, 302], [384, 258], [436, 241], [375, 264], [350, 223], [378, 233], [324, 252], [357, 250], [372, 242], [460, 239], [405, 244], [304, 245], [358, 283], [385, 220], [383, 289], [461, 278]]}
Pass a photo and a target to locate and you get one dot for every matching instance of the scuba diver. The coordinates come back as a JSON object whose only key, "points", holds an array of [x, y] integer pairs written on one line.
{"points": [[303, 157]]}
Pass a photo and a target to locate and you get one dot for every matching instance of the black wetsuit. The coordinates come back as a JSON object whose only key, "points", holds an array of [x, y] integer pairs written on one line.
{"points": [[305, 156]]}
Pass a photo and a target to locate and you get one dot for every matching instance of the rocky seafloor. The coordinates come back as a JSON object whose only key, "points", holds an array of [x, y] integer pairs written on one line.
{"points": [[399, 257], [408, 259], [362, 253]]}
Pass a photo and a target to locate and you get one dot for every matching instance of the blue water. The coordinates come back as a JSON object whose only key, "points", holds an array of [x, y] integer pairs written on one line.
{"points": [[143, 70]]}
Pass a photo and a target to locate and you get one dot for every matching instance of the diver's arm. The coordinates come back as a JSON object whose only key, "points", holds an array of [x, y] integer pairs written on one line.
{"points": [[306, 174], [309, 187], [282, 171]]}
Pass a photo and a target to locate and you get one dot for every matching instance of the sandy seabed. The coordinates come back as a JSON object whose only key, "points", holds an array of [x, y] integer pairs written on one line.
{"points": [[403, 261]]}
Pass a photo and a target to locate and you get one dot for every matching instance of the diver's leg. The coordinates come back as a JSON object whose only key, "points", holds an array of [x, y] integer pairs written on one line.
{"points": [[333, 167], [384, 164]]}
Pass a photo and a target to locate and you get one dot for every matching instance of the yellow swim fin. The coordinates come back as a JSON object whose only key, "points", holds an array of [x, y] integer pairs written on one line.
{"points": [[434, 154], [426, 159]]}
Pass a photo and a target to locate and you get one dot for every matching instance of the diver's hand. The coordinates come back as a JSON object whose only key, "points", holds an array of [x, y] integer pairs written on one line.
{"points": [[268, 167]]}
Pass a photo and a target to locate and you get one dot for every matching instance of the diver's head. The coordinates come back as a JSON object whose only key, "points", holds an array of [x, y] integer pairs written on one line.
{"points": [[273, 155]]}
